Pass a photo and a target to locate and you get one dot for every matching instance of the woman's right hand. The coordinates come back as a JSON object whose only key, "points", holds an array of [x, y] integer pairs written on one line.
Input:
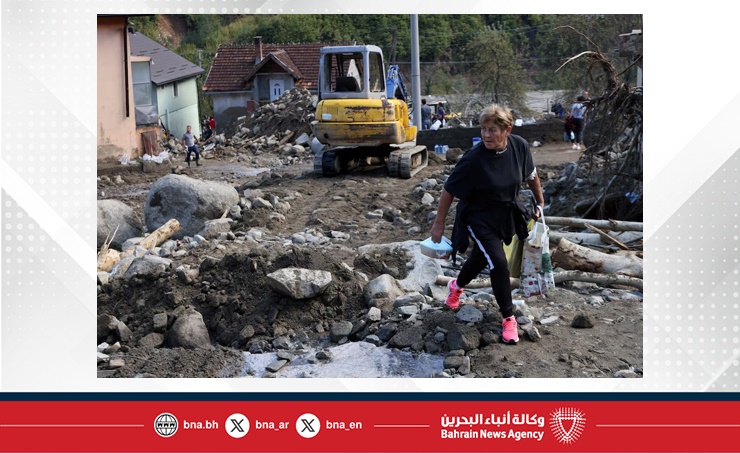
{"points": [[437, 232]]}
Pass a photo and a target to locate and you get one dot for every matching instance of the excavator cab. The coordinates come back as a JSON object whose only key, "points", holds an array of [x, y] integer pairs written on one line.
{"points": [[357, 119]]}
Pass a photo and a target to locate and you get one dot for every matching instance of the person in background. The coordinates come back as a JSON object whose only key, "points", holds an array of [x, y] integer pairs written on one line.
{"points": [[190, 142], [441, 114], [212, 125], [487, 180], [205, 129], [426, 115], [578, 111], [570, 131]]}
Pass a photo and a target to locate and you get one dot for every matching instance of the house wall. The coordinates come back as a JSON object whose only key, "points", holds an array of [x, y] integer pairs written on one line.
{"points": [[116, 129], [177, 112], [262, 84], [227, 107]]}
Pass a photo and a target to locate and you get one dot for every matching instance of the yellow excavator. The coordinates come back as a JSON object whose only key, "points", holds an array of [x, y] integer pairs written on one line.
{"points": [[363, 115]]}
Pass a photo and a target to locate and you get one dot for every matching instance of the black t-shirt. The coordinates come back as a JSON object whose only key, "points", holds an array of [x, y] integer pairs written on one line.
{"points": [[487, 184]]}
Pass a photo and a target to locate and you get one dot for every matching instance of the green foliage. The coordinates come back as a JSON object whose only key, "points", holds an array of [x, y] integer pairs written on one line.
{"points": [[496, 71], [498, 54]]}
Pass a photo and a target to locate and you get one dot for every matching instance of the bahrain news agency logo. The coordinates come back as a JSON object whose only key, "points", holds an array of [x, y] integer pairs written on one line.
{"points": [[567, 424], [165, 424]]}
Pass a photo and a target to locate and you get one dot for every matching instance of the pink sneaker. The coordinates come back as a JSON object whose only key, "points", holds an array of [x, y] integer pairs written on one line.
{"points": [[510, 333], [453, 299]]}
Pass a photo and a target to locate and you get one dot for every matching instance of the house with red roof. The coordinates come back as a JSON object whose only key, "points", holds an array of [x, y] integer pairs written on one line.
{"points": [[244, 76]]}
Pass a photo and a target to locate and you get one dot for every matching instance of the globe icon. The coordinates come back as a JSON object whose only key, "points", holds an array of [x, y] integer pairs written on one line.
{"points": [[165, 424]]}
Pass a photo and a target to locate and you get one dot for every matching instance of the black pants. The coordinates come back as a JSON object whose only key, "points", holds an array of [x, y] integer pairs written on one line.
{"points": [[578, 126], [488, 250], [191, 149]]}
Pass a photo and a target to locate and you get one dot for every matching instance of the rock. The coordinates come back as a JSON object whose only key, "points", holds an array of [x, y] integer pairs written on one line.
{"points": [[550, 320], [427, 199], [212, 228], [261, 203], [381, 291], [107, 324], [186, 275], [465, 367], [407, 337], [469, 313], [152, 340], [374, 314], [463, 337], [274, 367], [191, 201], [453, 155], [453, 361], [114, 214], [373, 339], [103, 278], [149, 267], [339, 330], [124, 333], [531, 332], [189, 331], [386, 332], [582, 321], [160, 322], [299, 283]]}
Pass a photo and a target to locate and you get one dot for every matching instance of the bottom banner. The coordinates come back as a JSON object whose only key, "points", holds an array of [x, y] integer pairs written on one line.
{"points": [[369, 426]]}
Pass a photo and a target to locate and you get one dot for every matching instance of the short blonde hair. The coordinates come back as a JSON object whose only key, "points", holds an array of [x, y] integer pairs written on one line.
{"points": [[494, 113]]}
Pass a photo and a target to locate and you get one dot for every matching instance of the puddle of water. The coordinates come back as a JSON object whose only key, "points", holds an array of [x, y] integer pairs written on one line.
{"points": [[352, 360]]}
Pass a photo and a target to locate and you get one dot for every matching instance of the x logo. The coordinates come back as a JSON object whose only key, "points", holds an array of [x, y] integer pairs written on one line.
{"points": [[307, 425], [237, 425]]}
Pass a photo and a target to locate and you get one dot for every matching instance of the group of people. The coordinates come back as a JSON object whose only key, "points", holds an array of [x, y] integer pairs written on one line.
{"points": [[429, 116], [208, 127], [576, 120]]}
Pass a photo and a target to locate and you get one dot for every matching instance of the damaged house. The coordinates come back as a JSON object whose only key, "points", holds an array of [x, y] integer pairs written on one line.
{"points": [[242, 77], [165, 89]]}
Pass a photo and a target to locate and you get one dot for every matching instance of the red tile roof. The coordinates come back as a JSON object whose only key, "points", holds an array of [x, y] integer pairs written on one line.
{"points": [[234, 65]]}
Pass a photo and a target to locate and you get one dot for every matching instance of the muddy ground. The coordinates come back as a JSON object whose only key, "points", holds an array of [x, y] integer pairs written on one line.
{"points": [[233, 297]]}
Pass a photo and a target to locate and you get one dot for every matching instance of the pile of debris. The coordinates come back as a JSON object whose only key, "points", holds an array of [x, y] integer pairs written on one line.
{"points": [[282, 127], [607, 181]]}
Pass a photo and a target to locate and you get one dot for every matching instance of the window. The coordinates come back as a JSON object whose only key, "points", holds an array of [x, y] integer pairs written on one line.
{"points": [[377, 78], [175, 89], [141, 82]]}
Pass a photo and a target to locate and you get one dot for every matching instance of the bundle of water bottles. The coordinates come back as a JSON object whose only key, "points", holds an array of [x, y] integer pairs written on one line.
{"points": [[441, 149]]}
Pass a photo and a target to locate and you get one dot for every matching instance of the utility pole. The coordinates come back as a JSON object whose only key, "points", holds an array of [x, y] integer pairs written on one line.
{"points": [[415, 71]]}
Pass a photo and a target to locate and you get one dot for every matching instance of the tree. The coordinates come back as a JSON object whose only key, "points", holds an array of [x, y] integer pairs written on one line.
{"points": [[496, 71]]}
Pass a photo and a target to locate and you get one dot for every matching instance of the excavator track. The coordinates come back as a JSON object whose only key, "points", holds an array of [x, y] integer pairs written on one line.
{"points": [[406, 162], [400, 162]]}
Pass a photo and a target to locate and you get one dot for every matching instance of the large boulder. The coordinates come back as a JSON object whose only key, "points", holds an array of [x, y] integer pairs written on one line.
{"points": [[299, 283], [191, 201], [189, 331], [112, 214]]}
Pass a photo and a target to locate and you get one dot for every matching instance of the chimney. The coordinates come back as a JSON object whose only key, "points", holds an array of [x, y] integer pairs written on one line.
{"points": [[257, 49]]}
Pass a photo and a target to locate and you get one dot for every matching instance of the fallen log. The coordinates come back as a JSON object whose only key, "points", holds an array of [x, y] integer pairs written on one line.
{"points": [[566, 276], [593, 238], [618, 225], [601, 279], [570, 256], [107, 258]]}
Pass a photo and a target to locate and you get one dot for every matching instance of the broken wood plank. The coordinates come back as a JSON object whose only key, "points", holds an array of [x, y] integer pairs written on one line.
{"points": [[608, 238], [108, 258], [601, 279], [618, 225]]}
